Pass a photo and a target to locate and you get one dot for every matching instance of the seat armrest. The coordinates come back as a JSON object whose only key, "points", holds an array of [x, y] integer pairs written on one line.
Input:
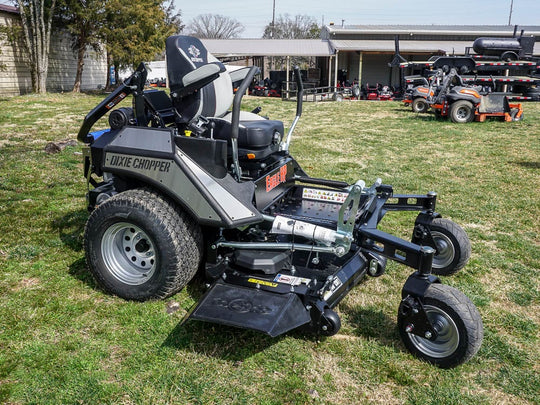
{"points": [[197, 79], [239, 75]]}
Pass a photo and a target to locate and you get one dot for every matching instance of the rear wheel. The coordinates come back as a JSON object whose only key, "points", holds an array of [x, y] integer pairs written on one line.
{"points": [[452, 244], [420, 105], [139, 246], [458, 325], [461, 112]]}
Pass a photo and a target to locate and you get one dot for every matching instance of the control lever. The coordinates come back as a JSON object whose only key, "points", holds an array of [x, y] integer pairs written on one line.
{"points": [[211, 126]]}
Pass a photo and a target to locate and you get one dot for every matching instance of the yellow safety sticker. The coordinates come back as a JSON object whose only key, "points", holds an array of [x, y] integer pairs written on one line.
{"points": [[262, 282]]}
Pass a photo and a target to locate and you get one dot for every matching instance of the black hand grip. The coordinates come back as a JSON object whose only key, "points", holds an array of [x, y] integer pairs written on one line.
{"points": [[300, 92]]}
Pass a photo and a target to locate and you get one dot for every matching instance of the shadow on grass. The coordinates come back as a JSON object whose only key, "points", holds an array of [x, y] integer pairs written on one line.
{"points": [[371, 322], [235, 344], [528, 165], [70, 228], [219, 341], [79, 270]]}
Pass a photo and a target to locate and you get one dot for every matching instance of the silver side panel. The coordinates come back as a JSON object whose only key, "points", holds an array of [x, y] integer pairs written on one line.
{"points": [[167, 173], [235, 209]]}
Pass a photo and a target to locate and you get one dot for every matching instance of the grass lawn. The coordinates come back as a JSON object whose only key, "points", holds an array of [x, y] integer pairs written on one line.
{"points": [[63, 340]]}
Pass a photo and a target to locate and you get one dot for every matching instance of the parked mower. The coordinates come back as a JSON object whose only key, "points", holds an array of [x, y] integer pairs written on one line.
{"points": [[447, 95], [464, 103], [179, 184]]}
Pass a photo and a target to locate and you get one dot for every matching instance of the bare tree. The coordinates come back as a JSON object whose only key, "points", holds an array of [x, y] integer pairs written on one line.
{"points": [[36, 21], [297, 27], [215, 26]]}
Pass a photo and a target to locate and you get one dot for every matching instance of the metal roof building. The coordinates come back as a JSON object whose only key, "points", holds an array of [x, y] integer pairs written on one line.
{"points": [[268, 47], [362, 52]]}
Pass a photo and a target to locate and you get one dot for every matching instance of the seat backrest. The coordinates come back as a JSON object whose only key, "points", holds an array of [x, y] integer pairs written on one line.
{"points": [[184, 55]]}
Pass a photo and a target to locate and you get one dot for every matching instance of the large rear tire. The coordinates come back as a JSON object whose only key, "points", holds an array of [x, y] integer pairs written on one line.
{"points": [[461, 112], [139, 246], [458, 324]]}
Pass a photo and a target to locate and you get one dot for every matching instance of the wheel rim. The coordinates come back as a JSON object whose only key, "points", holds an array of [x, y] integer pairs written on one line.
{"points": [[447, 334], [420, 106], [445, 250], [128, 253], [462, 113]]}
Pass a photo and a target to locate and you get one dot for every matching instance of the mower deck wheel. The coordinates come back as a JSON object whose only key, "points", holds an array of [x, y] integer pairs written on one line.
{"points": [[420, 105], [452, 244], [458, 325]]}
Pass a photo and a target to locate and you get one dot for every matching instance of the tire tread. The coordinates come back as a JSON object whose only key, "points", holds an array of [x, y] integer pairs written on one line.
{"points": [[183, 231]]}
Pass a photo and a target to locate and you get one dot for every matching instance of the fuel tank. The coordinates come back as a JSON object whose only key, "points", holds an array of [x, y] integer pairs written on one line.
{"points": [[495, 46]]}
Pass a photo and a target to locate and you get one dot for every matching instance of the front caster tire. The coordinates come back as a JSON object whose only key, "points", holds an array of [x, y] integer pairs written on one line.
{"points": [[452, 244], [457, 321], [139, 246], [330, 323]]}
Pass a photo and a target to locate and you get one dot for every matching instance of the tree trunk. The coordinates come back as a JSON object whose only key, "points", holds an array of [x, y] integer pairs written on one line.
{"points": [[37, 35], [80, 66]]}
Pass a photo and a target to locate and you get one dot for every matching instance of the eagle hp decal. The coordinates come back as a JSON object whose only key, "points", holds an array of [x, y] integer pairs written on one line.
{"points": [[274, 180]]}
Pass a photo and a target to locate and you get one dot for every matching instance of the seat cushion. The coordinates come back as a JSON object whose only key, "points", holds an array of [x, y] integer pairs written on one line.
{"points": [[251, 134]]}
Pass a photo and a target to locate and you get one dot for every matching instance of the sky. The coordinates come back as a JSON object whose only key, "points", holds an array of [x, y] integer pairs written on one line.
{"points": [[255, 15]]}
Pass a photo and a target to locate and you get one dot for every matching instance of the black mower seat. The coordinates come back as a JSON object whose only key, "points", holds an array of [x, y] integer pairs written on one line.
{"points": [[186, 57], [257, 138]]}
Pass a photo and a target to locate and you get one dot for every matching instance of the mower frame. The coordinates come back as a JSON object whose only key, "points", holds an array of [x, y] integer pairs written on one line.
{"points": [[279, 249]]}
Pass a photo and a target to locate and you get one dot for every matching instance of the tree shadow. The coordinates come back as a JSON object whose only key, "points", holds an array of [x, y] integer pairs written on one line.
{"points": [[528, 165]]}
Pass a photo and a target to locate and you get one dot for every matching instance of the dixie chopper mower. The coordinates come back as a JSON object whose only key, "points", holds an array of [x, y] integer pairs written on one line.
{"points": [[178, 184]]}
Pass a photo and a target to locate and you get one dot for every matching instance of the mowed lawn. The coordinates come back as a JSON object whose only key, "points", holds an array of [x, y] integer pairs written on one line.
{"points": [[63, 340]]}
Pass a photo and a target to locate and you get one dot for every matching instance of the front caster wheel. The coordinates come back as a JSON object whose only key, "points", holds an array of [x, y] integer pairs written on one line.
{"points": [[458, 325], [452, 244], [330, 323], [139, 246]]}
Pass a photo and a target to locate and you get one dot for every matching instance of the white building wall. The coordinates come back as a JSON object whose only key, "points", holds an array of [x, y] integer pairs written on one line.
{"points": [[15, 77]]}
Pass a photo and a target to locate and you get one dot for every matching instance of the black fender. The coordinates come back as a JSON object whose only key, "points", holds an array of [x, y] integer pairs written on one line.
{"points": [[417, 285]]}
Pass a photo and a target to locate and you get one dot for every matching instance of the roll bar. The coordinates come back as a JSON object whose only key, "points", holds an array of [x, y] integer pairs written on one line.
{"points": [[235, 120], [299, 101], [134, 84]]}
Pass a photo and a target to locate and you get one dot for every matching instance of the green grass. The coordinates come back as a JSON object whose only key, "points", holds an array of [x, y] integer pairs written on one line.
{"points": [[63, 340]]}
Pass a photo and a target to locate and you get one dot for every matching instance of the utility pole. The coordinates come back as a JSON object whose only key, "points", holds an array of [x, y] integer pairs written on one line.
{"points": [[510, 16], [273, 31], [274, 20]]}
